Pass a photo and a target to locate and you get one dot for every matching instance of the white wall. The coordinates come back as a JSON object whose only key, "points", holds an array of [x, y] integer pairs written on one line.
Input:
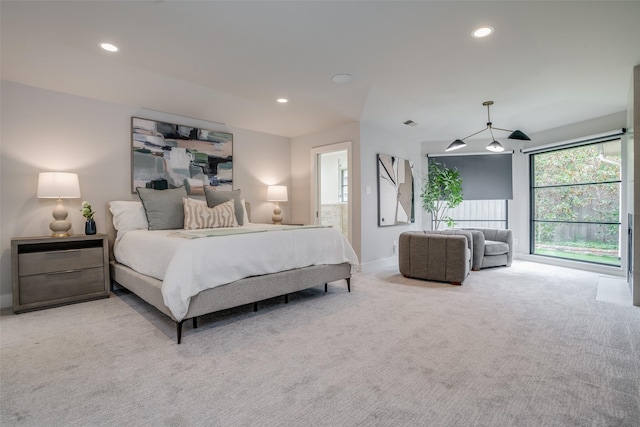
{"points": [[44, 130], [259, 160], [300, 196], [377, 242], [373, 244]]}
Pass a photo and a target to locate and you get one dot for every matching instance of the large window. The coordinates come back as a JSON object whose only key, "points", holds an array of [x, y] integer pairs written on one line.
{"points": [[575, 203]]}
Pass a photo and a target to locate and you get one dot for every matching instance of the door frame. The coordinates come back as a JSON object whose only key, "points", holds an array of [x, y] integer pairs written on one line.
{"points": [[315, 171]]}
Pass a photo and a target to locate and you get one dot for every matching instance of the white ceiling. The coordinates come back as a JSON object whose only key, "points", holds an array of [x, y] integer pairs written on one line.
{"points": [[548, 63]]}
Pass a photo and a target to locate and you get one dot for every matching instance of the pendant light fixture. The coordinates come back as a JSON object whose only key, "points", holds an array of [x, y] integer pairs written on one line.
{"points": [[494, 146]]}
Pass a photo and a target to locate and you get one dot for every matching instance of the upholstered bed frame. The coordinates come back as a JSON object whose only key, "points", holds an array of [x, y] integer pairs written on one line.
{"points": [[244, 291]]}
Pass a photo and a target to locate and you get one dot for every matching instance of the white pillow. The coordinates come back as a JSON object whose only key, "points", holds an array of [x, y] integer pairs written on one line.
{"points": [[198, 215], [127, 216]]}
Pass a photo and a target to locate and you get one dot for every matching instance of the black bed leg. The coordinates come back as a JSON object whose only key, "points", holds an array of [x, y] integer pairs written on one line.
{"points": [[348, 284], [286, 298], [325, 287], [195, 322], [179, 330]]}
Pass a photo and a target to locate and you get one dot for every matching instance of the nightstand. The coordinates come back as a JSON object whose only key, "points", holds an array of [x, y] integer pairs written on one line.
{"points": [[51, 271]]}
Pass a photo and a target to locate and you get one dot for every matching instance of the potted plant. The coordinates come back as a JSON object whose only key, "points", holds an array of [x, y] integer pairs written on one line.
{"points": [[90, 224], [441, 191]]}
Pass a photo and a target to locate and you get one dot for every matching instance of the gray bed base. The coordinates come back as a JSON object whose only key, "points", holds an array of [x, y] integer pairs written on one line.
{"points": [[241, 292]]}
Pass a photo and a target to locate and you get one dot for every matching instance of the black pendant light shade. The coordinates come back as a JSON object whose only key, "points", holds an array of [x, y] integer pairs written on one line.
{"points": [[494, 146], [518, 134], [458, 143]]}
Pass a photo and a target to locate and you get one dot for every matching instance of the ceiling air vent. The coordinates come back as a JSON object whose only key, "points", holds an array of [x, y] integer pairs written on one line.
{"points": [[410, 123]]}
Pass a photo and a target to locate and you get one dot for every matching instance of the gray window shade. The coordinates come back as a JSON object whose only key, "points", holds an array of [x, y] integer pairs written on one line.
{"points": [[484, 177]]}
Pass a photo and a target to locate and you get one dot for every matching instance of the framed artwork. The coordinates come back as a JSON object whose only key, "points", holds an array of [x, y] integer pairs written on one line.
{"points": [[167, 155], [395, 191]]}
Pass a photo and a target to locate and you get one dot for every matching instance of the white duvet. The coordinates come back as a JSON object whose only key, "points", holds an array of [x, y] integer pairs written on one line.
{"points": [[187, 266]]}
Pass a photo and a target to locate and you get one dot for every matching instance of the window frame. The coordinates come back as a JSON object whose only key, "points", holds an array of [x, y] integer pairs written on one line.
{"points": [[532, 195], [344, 185]]}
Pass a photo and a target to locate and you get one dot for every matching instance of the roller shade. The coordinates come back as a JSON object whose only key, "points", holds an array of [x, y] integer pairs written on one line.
{"points": [[484, 177]]}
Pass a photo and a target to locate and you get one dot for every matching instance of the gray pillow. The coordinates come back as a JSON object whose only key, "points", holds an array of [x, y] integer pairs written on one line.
{"points": [[163, 207], [215, 197]]}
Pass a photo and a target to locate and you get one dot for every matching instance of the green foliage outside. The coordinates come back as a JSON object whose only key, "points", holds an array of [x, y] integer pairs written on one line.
{"points": [[441, 191], [578, 185]]}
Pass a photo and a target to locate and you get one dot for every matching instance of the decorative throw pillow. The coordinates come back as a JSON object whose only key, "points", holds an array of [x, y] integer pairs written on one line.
{"points": [[215, 197], [128, 215], [163, 207], [198, 215]]}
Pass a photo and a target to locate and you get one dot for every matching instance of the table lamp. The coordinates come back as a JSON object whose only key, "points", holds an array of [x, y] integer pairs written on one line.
{"points": [[59, 185], [277, 193]]}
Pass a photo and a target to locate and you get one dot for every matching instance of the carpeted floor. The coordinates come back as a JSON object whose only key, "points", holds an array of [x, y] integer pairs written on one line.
{"points": [[527, 345]]}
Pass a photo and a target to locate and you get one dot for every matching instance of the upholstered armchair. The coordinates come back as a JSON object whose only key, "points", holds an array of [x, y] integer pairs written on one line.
{"points": [[492, 247], [439, 256]]}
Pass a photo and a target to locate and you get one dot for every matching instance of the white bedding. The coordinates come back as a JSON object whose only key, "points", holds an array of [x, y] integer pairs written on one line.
{"points": [[187, 266]]}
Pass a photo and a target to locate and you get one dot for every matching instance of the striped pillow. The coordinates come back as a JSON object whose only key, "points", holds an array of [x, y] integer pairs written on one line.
{"points": [[198, 215]]}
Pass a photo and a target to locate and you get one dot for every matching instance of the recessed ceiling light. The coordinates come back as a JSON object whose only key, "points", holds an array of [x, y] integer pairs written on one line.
{"points": [[342, 78], [282, 100], [109, 47], [482, 32]]}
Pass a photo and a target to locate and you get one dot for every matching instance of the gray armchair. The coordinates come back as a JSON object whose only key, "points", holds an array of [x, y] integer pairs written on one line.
{"points": [[444, 257], [492, 247]]}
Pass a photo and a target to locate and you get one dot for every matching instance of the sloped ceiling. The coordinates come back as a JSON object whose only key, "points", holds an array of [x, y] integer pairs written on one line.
{"points": [[548, 63]]}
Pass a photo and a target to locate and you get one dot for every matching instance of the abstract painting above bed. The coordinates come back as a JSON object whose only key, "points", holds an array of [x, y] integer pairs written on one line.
{"points": [[166, 155]]}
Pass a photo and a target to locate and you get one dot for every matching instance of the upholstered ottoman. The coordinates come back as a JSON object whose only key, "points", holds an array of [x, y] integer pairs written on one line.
{"points": [[439, 257]]}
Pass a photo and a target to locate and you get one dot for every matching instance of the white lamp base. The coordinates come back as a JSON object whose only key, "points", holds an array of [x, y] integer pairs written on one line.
{"points": [[277, 215], [60, 226]]}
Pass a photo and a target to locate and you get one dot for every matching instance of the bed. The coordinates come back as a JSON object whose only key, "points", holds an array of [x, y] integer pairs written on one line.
{"points": [[187, 273]]}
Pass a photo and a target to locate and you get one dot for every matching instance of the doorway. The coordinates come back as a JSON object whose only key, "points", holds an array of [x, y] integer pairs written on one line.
{"points": [[331, 186]]}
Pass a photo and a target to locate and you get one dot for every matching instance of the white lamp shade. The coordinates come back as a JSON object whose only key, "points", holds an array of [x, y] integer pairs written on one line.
{"points": [[58, 185], [496, 147], [277, 193]]}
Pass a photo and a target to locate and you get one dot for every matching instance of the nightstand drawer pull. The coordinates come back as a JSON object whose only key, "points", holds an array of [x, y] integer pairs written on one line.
{"points": [[53, 273], [66, 251]]}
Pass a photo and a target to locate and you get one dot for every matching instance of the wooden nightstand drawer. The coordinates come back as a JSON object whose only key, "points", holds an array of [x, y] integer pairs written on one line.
{"points": [[63, 260], [55, 286]]}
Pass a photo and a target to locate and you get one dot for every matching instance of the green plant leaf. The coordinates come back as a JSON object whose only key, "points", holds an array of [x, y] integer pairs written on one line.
{"points": [[441, 191]]}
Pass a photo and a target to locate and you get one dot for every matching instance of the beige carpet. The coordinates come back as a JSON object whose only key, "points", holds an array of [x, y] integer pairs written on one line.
{"points": [[522, 346]]}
